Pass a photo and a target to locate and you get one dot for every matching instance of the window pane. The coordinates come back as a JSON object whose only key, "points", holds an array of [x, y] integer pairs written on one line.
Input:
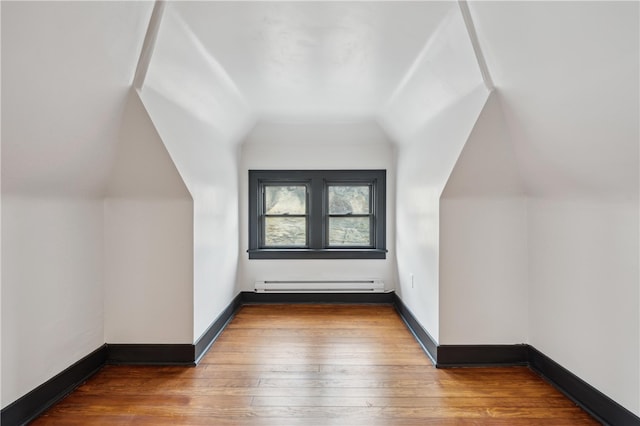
{"points": [[349, 231], [285, 231], [285, 199], [349, 199]]}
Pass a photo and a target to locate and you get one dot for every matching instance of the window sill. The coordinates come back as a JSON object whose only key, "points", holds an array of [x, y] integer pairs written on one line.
{"points": [[317, 254]]}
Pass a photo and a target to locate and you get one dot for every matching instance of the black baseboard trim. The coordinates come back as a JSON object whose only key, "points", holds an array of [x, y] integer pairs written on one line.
{"points": [[594, 402], [151, 354], [250, 297], [482, 355], [600, 406], [190, 354], [423, 337], [205, 341], [31, 405]]}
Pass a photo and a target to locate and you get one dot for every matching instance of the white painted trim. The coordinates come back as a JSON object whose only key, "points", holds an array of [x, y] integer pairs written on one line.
{"points": [[149, 44], [473, 37]]}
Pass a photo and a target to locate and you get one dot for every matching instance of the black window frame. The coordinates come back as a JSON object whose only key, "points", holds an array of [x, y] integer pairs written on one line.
{"points": [[318, 182]]}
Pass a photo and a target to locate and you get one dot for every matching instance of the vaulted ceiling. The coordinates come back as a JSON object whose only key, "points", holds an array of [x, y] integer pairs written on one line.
{"points": [[66, 71], [313, 60], [566, 74]]}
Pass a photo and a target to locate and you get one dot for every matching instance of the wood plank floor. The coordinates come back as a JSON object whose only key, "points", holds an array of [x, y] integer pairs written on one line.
{"points": [[315, 365]]}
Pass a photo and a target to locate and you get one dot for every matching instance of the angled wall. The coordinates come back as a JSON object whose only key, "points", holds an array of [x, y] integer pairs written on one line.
{"points": [[567, 74], [201, 118], [557, 267], [429, 118], [148, 232], [52, 282], [483, 240], [66, 69]]}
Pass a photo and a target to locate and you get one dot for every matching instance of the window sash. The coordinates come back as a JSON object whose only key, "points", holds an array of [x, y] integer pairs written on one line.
{"points": [[370, 184], [317, 215], [370, 236], [263, 216]]}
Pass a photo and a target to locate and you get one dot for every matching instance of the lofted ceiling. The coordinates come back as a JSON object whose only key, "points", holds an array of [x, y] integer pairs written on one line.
{"points": [[565, 73], [567, 78], [296, 61], [66, 70]]}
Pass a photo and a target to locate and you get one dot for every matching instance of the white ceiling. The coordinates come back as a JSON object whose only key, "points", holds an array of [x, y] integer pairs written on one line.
{"points": [[314, 60], [566, 74], [66, 70]]}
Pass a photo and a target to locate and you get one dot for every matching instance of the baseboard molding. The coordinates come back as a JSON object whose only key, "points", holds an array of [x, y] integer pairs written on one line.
{"points": [[482, 355], [31, 405], [151, 354], [250, 297], [600, 406], [205, 341], [173, 354], [423, 337]]}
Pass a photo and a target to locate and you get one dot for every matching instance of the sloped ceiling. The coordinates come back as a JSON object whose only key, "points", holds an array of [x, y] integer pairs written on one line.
{"points": [[312, 61], [67, 68], [567, 79], [566, 74], [66, 72]]}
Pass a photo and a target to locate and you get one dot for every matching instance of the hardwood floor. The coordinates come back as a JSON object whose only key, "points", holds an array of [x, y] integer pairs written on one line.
{"points": [[315, 365]]}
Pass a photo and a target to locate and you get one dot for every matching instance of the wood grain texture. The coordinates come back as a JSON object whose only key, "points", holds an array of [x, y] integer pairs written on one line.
{"points": [[315, 365]]}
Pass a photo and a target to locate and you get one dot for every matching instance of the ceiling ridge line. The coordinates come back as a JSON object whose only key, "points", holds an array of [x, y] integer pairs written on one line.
{"points": [[473, 37], [149, 44]]}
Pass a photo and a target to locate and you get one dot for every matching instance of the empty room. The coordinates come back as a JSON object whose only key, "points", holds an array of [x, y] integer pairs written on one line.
{"points": [[320, 213]]}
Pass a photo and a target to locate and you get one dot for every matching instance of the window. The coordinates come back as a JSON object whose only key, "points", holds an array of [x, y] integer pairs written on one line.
{"points": [[317, 214]]}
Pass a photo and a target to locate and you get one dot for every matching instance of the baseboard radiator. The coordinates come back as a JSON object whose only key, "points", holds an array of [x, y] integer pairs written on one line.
{"points": [[340, 286]]}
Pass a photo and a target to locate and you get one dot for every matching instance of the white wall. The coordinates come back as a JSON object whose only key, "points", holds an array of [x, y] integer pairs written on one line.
{"points": [[201, 118], [421, 174], [483, 271], [148, 227], [567, 73], [429, 118], [149, 270], [483, 240], [568, 77], [571, 106], [208, 163], [584, 291], [66, 69], [52, 275], [356, 145]]}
